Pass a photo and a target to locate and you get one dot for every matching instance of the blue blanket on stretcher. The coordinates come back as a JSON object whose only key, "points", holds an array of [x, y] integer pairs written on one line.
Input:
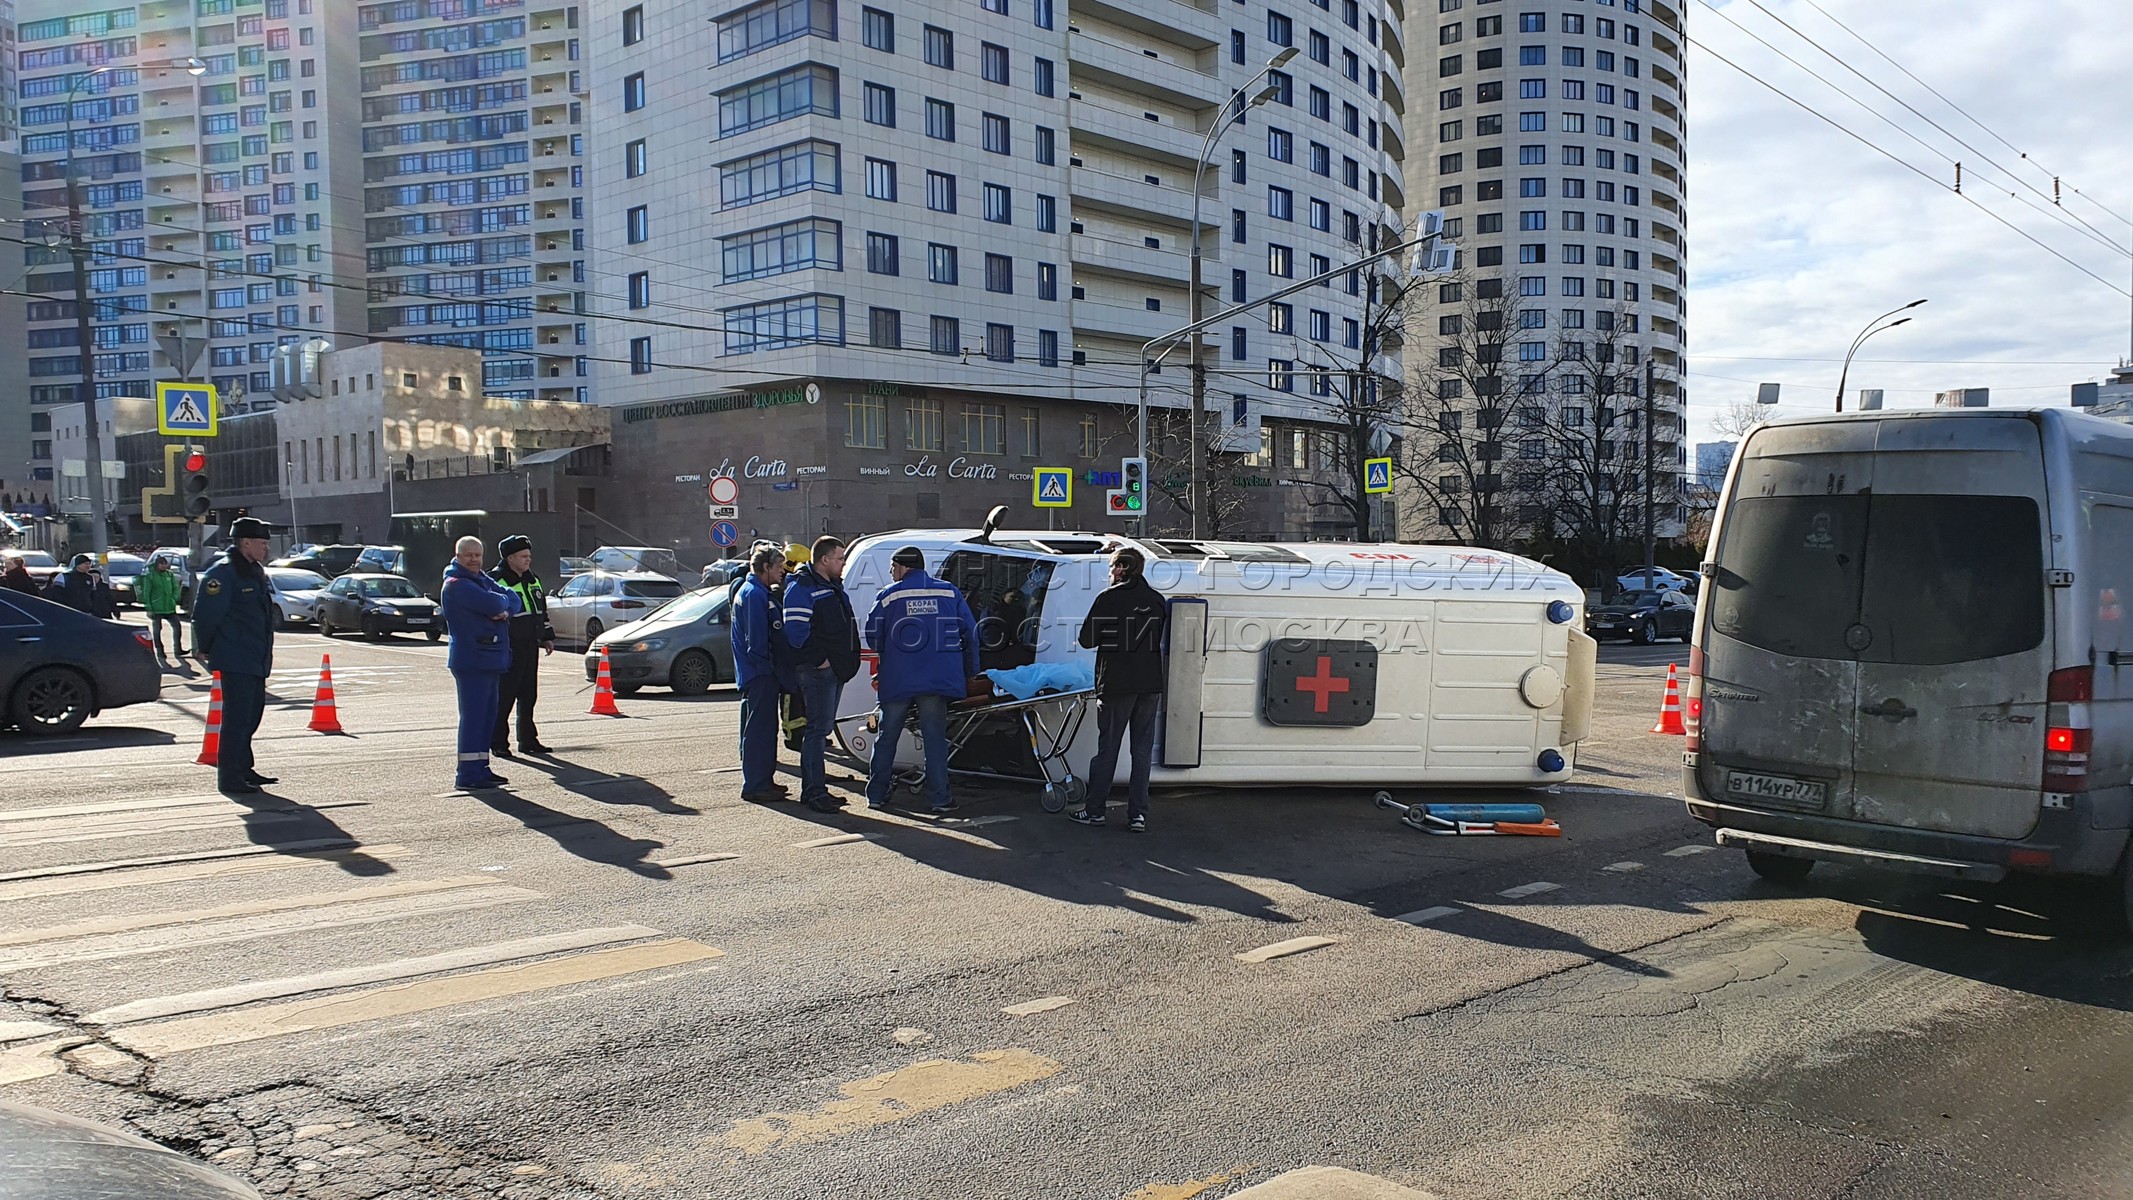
{"points": [[1037, 678]]}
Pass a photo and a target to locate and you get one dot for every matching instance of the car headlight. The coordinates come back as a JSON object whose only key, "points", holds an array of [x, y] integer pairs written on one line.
{"points": [[648, 644]]}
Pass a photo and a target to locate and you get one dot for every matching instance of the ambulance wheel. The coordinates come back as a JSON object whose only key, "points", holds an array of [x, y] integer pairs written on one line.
{"points": [[1055, 797], [1779, 869]]}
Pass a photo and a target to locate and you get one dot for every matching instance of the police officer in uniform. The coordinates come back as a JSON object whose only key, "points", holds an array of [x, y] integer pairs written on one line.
{"points": [[531, 637], [233, 629]]}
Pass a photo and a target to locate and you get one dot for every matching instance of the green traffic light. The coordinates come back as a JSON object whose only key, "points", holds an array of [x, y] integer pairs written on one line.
{"points": [[1133, 502]]}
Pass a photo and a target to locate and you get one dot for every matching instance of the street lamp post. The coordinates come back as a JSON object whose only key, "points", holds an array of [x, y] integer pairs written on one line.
{"points": [[1230, 113], [1872, 327], [78, 250]]}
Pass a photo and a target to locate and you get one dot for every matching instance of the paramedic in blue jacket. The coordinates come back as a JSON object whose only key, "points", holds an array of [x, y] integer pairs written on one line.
{"points": [[758, 660], [824, 634], [477, 611], [928, 642]]}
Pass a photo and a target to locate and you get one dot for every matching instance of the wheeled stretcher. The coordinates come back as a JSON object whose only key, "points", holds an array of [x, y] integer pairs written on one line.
{"points": [[1053, 721]]}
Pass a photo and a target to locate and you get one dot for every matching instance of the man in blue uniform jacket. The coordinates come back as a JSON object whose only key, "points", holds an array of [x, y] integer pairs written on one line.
{"points": [[928, 642], [477, 611], [760, 653], [233, 629]]}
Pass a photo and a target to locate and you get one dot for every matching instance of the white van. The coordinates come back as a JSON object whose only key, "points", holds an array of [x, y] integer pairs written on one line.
{"points": [[1911, 649], [1289, 664]]}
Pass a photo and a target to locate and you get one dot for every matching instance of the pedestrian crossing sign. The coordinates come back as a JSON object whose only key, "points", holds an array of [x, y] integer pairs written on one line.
{"points": [[186, 410], [1377, 476], [1053, 488]]}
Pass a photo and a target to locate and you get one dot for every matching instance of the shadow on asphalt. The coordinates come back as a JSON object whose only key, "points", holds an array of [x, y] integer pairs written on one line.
{"points": [[603, 788], [278, 823], [582, 837], [16, 744]]}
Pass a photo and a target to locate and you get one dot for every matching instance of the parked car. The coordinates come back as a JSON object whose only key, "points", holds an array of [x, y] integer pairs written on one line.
{"points": [[39, 564], [382, 560], [46, 1155], [1643, 617], [296, 593], [569, 567], [723, 571], [1663, 580], [687, 645], [330, 561], [120, 570], [379, 605], [592, 603], [650, 560], [59, 667]]}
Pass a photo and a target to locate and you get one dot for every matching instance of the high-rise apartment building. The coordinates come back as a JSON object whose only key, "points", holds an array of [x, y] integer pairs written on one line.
{"points": [[215, 145], [473, 140], [873, 244], [1550, 132], [20, 469]]}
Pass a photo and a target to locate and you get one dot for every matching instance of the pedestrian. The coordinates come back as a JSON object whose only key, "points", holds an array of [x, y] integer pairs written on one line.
{"points": [[757, 628], [17, 577], [1125, 628], [233, 630], [75, 587], [824, 633], [531, 637], [476, 611], [159, 590], [928, 642]]}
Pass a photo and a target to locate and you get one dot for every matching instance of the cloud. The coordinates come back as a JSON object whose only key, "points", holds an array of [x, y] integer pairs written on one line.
{"points": [[1799, 235]]}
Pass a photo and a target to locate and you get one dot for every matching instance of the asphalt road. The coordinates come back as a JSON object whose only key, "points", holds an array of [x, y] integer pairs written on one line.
{"points": [[617, 980]]}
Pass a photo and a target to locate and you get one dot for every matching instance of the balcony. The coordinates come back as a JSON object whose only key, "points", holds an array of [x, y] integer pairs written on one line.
{"points": [[1395, 44], [1665, 233], [1666, 45], [1389, 91], [1195, 26], [1665, 15], [1175, 146], [1126, 321], [1392, 190], [1137, 198], [1661, 137], [1666, 108], [1142, 72], [1666, 265], [1170, 266]]}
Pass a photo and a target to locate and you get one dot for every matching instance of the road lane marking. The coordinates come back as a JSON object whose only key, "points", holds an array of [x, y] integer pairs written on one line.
{"points": [[22, 1031], [35, 1060], [160, 1039], [157, 932], [690, 860], [113, 806], [1030, 1008], [160, 1007], [836, 839], [1524, 890], [251, 860], [1296, 945], [1623, 868], [893, 1096], [1423, 916], [104, 827], [1328, 1183], [314, 845], [1686, 851]]}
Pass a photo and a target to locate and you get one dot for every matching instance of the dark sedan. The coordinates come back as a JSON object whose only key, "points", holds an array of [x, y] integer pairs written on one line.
{"points": [[59, 667], [46, 1155], [1644, 617], [329, 561], [378, 605]]}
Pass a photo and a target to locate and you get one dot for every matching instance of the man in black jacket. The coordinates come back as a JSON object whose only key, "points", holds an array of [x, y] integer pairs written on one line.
{"points": [[824, 634], [1125, 628], [531, 637]]}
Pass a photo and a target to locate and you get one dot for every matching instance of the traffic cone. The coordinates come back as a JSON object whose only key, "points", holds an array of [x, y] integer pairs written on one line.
{"points": [[211, 746], [1670, 708], [325, 718], [604, 691]]}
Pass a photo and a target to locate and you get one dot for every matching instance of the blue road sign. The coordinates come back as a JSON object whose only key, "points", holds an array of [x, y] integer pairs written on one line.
{"points": [[788, 486], [1377, 476], [1052, 487], [186, 410], [725, 533]]}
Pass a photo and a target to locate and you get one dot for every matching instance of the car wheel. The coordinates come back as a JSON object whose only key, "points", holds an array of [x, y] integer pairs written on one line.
{"points": [[325, 627], [52, 700], [593, 630], [693, 673], [627, 689], [436, 634], [1779, 869], [371, 632], [1647, 634]]}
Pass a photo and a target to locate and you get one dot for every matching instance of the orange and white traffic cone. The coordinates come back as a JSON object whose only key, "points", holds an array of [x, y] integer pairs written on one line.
{"points": [[325, 718], [604, 690], [211, 746], [1670, 707]]}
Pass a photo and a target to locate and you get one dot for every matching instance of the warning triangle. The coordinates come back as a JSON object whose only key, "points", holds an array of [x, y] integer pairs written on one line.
{"points": [[186, 413]]}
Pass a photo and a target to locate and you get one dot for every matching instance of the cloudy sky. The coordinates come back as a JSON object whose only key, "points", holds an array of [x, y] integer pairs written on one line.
{"points": [[1799, 234]]}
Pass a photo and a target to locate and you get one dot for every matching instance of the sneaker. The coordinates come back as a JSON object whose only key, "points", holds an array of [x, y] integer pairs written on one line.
{"points": [[824, 804], [1083, 816], [1138, 824], [940, 809]]}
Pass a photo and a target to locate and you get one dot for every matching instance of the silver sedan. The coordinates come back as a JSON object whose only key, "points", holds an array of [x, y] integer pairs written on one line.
{"points": [[687, 645]]}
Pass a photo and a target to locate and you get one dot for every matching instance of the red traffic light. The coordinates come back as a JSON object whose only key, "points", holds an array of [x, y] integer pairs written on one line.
{"points": [[196, 461]]}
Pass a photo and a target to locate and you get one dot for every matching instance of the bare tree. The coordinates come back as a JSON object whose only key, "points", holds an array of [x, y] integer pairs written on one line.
{"points": [[1365, 405], [1169, 512]]}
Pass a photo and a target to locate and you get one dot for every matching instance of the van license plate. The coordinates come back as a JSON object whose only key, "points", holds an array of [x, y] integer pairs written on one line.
{"points": [[1777, 790]]}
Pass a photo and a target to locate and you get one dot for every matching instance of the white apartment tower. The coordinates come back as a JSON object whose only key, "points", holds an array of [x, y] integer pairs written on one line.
{"points": [[1551, 134], [982, 209]]}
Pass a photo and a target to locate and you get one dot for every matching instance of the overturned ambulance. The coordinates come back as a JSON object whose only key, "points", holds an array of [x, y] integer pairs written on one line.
{"points": [[1289, 663]]}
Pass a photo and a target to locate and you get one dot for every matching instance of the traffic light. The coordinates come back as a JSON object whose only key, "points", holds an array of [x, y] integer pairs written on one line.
{"points": [[1115, 502], [1133, 481], [195, 500]]}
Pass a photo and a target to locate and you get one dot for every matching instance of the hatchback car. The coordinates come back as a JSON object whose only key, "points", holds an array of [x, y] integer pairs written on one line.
{"points": [[120, 570], [1663, 580], [59, 667], [686, 645], [651, 560], [379, 605], [597, 601], [1643, 617], [296, 593], [329, 561]]}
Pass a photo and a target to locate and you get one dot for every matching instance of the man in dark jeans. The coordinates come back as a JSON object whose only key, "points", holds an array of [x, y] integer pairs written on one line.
{"points": [[824, 634], [1125, 628]]}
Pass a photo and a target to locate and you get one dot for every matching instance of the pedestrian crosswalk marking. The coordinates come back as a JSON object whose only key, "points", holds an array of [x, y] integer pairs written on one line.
{"points": [[161, 1007], [18, 884], [251, 860], [216, 814], [160, 1039]]}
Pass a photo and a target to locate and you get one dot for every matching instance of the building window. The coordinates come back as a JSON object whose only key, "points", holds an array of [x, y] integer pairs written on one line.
{"points": [[881, 179], [1280, 30], [809, 88], [641, 289], [1047, 281], [633, 24], [1089, 442], [882, 255], [1000, 343], [922, 425], [996, 137], [1046, 147], [992, 63], [878, 30], [1028, 445], [940, 48], [941, 263], [1041, 76], [633, 92], [640, 225], [1281, 375], [640, 356], [947, 336], [1280, 203], [985, 425], [880, 105], [866, 422], [1047, 214], [773, 23], [1000, 274], [793, 321], [1280, 145], [885, 328], [999, 204], [940, 120], [634, 159], [940, 192]]}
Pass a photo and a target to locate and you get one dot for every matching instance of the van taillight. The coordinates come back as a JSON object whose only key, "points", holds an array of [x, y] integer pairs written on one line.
{"points": [[1692, 703], [2068, 737]]}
